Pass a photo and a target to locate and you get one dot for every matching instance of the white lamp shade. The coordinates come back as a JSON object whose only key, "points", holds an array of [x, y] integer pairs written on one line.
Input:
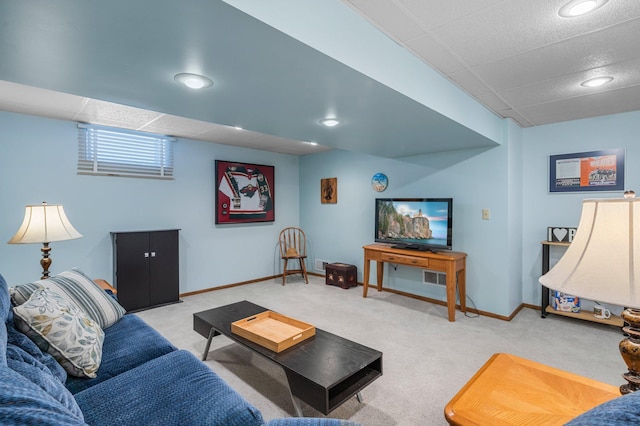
{"points": [[603, 261], [44, 223]]}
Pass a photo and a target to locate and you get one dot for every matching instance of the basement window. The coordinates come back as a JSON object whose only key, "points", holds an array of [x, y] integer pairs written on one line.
{"points": [[108, 151]]}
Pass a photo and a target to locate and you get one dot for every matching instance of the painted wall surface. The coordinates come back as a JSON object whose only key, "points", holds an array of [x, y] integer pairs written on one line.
{"points": [[38, 163], [541, 208], [360, 45], [475, 180]]}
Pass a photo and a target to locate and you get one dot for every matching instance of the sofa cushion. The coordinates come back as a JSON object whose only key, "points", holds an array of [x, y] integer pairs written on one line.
{"points": [[174, 389], [622, 411], [60, 328], [24, 403], [75, 286], [127, 344], [5, 302]]}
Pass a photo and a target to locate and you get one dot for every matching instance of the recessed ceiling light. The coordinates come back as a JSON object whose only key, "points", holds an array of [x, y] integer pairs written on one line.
{"points": [[330, 122], [580, 7], [193, 81], [596, 82]]}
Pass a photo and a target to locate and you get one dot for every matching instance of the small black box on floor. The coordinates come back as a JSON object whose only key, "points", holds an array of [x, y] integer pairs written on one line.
{"points": [[342, 274]]}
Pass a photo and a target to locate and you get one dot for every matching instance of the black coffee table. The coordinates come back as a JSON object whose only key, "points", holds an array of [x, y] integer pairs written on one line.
{"points": [[324, 371]]}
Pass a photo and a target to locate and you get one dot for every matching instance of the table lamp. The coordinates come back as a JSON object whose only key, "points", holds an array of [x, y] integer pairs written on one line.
{"points": [[603, 264], [43, 224]]}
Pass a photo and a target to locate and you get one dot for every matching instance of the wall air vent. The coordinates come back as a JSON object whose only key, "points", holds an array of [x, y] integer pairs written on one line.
{"points": [[434, 277], [321, 265]]}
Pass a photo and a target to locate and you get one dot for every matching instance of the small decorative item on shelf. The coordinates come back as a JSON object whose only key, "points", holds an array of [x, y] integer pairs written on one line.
{"points": [[557, 234], [565, 302]]}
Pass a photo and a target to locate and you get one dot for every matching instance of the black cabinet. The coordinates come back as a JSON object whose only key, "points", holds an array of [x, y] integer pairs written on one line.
{"points": [[146, 272]]}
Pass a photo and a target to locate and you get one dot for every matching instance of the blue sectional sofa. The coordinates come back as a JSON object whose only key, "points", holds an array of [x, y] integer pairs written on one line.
{"points": [[142, 380]]}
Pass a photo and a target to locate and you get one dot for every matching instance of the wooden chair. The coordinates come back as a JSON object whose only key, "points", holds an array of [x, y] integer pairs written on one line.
{"points": [[293, 246]]}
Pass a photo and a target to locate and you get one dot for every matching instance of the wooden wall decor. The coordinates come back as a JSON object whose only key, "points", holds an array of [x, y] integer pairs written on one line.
{"points": [[329, 190]]}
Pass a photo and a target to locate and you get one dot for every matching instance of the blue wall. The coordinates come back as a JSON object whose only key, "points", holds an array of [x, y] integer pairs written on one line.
{"points": [[38, 163], [474, 179], [38, 160], [504, 261], [542, 209]]}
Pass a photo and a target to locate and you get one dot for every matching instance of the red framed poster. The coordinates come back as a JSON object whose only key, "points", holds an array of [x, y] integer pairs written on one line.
{"points": [[244, 192]]}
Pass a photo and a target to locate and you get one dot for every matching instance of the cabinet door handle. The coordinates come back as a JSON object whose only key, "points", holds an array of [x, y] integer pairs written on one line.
{"points": [[153, 254], [146, 254]]}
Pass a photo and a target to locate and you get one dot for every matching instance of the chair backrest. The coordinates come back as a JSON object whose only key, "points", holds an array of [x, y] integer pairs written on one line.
{"points": [[293, 242]]}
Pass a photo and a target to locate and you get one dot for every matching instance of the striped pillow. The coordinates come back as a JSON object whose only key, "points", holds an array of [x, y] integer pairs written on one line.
{"points": [[75, 286]]}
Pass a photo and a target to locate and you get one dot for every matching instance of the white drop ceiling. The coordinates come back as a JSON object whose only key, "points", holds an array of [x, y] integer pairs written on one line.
{"points": [[113, 63], [520, 58]]}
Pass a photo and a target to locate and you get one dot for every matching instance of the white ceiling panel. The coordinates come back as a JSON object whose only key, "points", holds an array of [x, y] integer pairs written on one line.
{"points": [[517, 54], [433, 14], [565, 87], [440, 56], [603, 103], [386, 14], [589, 52]]}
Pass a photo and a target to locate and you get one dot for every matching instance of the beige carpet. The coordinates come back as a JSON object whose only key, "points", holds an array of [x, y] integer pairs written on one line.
{"points": [[426, 359]]}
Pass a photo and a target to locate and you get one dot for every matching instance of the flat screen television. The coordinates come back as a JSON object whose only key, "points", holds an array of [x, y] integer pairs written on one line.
{"points": [[415, 223]]}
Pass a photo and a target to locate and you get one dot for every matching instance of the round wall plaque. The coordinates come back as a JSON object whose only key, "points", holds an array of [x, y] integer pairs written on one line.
{"points": [[379, 182]]}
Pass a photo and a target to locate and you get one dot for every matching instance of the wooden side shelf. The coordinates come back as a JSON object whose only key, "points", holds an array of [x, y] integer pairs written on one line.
{"points": [[546, 308], [588, 316]]}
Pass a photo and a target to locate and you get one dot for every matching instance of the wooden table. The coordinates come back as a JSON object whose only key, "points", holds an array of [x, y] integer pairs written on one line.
{"points": [[452, 263], [509, 390]]}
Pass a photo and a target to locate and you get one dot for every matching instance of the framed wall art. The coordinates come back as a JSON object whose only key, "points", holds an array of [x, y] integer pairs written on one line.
{"points": [[587, 171], [244, 193], [329, 190]]}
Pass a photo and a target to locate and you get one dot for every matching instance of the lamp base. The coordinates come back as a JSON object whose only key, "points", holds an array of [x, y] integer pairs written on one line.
{"points": [[45, 261], [630, 350]]}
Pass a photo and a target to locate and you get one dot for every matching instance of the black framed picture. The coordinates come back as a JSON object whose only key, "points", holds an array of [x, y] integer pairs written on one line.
{"points": [[601, 170]]}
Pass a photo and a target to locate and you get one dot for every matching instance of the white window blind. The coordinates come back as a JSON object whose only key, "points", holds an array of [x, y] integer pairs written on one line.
{"points": [[118, 152]]}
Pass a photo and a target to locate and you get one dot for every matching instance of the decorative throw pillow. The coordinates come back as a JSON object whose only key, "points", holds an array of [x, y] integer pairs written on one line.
{"points": [[75, 286], [60, 328]]}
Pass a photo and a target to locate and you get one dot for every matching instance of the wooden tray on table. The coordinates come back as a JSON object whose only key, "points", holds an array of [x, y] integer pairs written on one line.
{"points": [[273, 330]]}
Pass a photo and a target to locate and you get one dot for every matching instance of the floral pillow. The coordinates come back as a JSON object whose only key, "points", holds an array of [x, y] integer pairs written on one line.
{"points": [[76, 287], [60, 328]]}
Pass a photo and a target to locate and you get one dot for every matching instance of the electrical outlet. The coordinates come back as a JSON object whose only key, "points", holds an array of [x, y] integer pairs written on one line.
{"points": [[486, 214]]}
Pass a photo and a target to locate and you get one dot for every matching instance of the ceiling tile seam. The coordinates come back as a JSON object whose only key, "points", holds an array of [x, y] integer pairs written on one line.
{"points": [[566, 98], [460, 17], [376, 24], [83, 105], [544, 46], [149, 123], [627, 86], [466, 67], [453, 53]]}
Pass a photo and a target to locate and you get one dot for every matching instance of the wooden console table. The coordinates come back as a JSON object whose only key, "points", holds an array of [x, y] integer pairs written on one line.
{"points": [[452, 263], [509, 390]]}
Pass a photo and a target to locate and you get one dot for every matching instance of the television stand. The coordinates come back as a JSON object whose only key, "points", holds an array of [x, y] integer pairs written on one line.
{"points": [[452, 263]]}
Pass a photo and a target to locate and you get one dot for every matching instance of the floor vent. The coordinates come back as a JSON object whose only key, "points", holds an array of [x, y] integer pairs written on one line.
{"points": [[434, 277]]}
